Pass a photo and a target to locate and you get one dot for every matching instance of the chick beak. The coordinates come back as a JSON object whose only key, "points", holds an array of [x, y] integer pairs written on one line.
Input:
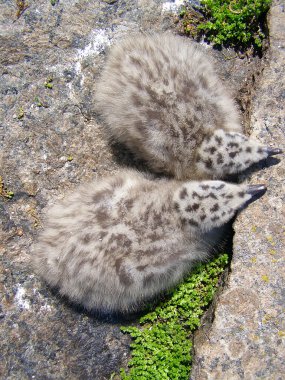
{"points": [[272, 151], [256, 190]]}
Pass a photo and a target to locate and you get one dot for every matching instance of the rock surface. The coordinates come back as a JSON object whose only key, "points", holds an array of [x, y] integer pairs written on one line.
{"points": [[246, 339], [50, 141]]}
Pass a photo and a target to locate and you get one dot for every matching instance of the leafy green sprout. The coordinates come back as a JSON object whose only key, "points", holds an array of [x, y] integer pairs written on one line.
{"points": [[161, 347]]}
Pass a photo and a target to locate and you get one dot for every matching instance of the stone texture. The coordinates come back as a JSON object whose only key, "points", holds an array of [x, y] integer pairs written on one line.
{"points": [[50, 141], [246, 339]]}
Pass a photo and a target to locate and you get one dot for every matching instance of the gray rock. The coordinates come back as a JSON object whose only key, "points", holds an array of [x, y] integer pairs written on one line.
{"points": [[246, 339], [51, 141]]}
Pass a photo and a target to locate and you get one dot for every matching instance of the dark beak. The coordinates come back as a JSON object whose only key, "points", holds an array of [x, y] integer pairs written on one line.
{"points": [[272, 151], [256, 190]]}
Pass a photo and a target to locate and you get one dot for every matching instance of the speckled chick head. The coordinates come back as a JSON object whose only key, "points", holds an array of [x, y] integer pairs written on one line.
{"points": [[209, 204], [114, 243], [223, 153]]}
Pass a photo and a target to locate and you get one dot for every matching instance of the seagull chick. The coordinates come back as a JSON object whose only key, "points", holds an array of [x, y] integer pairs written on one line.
{"points": [[117, 242], [161, 97]]}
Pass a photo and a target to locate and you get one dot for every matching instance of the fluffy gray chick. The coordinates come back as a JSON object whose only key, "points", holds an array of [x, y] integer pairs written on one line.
{"points": [[117, 242], [161, 97]]}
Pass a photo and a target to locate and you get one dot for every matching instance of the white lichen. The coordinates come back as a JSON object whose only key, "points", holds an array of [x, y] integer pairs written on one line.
{"points": [[172, 6], [20, 299], [99, 40]]}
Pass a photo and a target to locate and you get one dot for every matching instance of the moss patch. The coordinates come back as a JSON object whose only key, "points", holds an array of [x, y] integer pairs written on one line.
{"points": [[21, 7], [235, 23], [189, 20], [161, 347]]}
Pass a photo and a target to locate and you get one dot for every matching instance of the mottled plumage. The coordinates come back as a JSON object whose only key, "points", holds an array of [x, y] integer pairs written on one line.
{"points": [[116, 242], [161, 97]]}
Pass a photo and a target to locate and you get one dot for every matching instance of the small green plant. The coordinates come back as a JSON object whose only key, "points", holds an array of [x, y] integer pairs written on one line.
{"points": [[21, 7], [236, 23], [4, 192], [38, 102], [21, 113], [161, 347], [48, 83]]}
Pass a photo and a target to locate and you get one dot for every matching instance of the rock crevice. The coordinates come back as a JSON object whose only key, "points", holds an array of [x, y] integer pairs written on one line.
{"points": [[246, 339]]}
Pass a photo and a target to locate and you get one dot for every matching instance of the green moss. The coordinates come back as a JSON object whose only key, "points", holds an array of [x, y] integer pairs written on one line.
{"points": [[21, 7], [161, 347], [236, 23], [189, 20]]}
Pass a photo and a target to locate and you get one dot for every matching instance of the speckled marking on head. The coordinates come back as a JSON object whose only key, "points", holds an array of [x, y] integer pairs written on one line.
{"points": [[220, 159], [193, 222], [208, 163], [216, 207], [183, 193], [221, 186], [192, 207]]}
